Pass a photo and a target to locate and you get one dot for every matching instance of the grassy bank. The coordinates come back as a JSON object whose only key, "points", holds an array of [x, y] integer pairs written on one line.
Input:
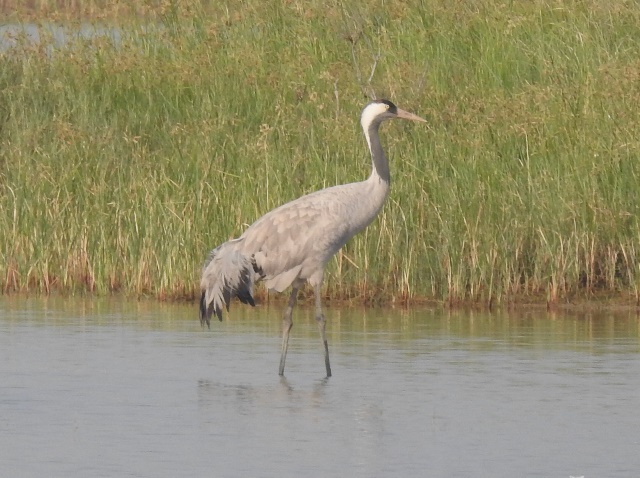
{"points": [[124, 158]]}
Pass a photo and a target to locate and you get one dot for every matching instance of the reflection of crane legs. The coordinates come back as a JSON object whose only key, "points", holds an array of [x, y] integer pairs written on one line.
{"points": [[287, 323], [321, 325]]}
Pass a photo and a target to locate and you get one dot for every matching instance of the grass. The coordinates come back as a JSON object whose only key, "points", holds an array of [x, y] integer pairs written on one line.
{"points": [[125, 157]]}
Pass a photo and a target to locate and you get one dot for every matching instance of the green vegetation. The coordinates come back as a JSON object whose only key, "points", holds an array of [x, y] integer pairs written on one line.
{"points": [[123, 161]]}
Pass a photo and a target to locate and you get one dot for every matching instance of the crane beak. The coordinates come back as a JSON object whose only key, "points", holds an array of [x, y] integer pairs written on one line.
{"points": [[409, 116]]}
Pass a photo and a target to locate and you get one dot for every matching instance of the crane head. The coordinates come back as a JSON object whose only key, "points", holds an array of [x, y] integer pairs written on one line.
{"points": [[380, 110]]}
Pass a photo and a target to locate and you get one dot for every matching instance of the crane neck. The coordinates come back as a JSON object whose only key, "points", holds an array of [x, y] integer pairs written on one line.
{"points": [[378, 158]]}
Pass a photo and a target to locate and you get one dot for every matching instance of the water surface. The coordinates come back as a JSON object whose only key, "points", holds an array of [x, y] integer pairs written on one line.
{"points": [[125, 388], [53, 36]]}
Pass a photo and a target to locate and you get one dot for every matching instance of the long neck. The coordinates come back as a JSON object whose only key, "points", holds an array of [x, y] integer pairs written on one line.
{"points": [[380, 163]]}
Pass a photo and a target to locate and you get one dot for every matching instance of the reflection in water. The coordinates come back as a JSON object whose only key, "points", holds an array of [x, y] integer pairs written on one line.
{"points": [[303, 417], [245, 398], [109, 387]]}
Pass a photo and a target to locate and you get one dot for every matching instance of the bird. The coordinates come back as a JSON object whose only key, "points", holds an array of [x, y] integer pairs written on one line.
{"points": [[291, 245]]}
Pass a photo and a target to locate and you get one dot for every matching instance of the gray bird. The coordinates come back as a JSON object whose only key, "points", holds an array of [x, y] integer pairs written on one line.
{"points": [[292, 244]]}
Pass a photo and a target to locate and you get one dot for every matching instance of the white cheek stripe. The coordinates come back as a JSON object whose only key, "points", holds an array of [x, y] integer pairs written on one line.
{"points": [[369, 113]]}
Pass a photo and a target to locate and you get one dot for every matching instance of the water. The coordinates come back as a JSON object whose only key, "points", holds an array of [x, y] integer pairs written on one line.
{"points": [[54, 36], [113, 388]]}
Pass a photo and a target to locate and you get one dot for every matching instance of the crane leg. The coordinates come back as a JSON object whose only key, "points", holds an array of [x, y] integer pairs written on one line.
{"points": [[322, 325], [287, 323]]}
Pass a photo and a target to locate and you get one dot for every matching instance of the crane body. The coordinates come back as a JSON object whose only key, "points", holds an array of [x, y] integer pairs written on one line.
{"points": [[292, 244]]}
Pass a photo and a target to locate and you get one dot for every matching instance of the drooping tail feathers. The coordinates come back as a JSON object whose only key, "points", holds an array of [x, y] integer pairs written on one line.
{"points": [[226, 274]]}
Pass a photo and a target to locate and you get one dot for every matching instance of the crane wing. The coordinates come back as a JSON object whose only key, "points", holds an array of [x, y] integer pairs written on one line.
{"points": [[297, 239]]}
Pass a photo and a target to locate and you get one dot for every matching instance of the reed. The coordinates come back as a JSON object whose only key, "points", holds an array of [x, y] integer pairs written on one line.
{"points": [[126, 155]]}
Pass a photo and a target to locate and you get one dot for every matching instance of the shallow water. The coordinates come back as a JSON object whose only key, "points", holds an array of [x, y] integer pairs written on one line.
{"points": [[53, 36], [117, 388]]}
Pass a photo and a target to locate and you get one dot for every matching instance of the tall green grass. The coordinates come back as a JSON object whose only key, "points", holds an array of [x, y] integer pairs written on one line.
{"points": [[122, 162]]}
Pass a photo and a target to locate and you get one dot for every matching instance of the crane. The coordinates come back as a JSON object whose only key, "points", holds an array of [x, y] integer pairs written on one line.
{"points": [[292, 244]]}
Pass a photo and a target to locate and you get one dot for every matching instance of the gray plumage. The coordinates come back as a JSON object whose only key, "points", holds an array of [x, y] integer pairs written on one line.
{"points": [[292, 244]]}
